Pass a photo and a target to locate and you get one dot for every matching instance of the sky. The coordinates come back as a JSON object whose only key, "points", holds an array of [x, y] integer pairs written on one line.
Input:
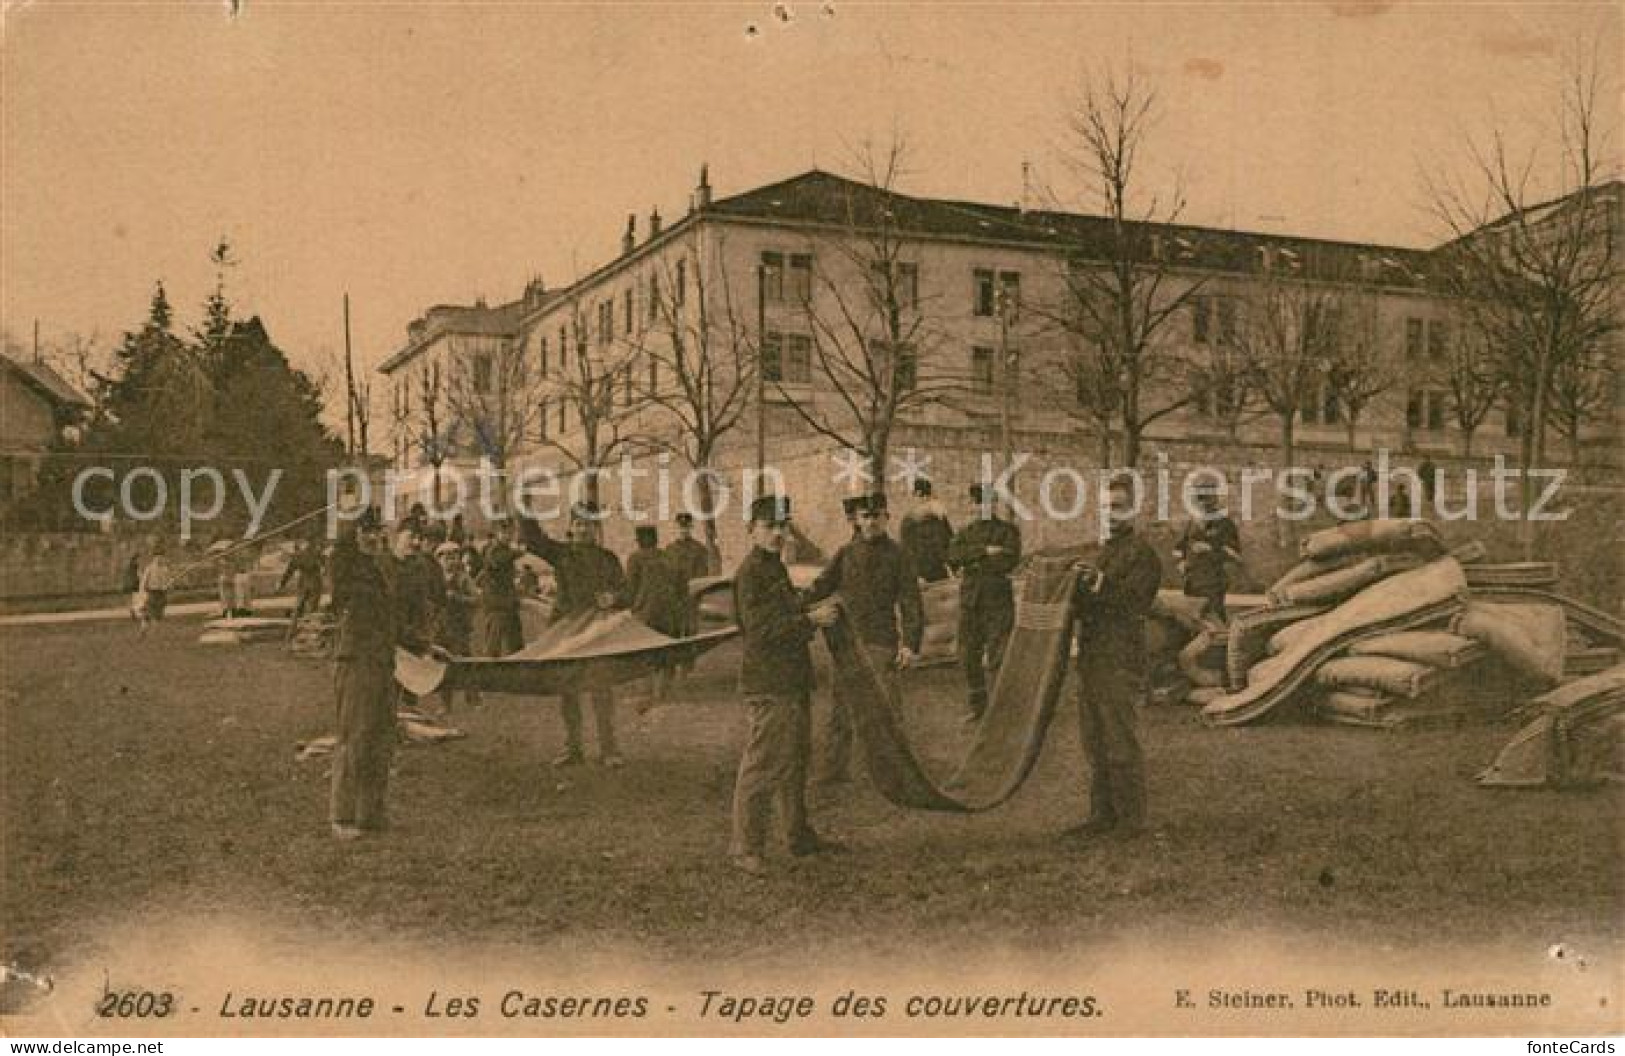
{"points": [[416, 154]]}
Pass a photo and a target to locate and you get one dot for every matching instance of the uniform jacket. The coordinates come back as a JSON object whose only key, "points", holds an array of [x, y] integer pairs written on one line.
{"points": [[655, 591], [495, 581], [1207, 574], [926, 537], [776, 630], [1111, 621], [985, 578], [365, 602], [876, 584], [583, 571], [690, 558]]}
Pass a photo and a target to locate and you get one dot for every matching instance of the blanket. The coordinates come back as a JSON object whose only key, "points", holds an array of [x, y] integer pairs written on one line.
{"points": [[1011, 734]]}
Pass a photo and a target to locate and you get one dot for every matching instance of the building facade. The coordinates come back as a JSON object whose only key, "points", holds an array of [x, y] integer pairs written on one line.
{"points": [[966, 316]]}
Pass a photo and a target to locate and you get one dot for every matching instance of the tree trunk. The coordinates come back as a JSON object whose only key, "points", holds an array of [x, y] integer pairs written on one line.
{"points": [[1467, 443], [713, 545], [1354, 425], [1131, 443], [1288, 452], [879, 452]]}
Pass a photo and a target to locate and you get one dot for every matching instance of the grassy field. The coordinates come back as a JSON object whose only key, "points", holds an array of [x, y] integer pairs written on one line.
{"points": [[159, 777]]}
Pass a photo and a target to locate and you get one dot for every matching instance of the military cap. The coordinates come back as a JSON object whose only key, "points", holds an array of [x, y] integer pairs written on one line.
{"points": [[774, 509]]}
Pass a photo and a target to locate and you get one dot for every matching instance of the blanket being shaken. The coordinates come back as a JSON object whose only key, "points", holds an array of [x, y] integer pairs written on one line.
{"points": [[1011, 733]]}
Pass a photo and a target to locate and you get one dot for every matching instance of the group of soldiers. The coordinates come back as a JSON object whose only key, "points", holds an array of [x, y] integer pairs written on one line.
{"points": [[430, 594], [873, 579]]}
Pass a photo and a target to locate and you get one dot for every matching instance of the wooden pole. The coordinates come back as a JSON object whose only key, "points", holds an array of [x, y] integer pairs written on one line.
{"points": [[349, 384]]}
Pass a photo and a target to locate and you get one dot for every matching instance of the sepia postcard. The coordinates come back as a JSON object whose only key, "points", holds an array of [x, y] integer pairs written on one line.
{"points": [[813, 518]]}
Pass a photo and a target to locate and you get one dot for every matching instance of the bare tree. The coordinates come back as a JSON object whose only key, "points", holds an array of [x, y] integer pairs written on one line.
{"points": [[1584, 389], [1119, 293], [601, 405], [1471, 382], [495, 400], [1220, 384], [702, 361], [1287, 338], [422, 418], [872, 337], [1364, 363], [1534, 259]]}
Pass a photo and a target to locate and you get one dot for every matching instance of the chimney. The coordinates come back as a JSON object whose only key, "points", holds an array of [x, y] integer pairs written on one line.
{"points": [[630, 240], [534, 291], [654, 223], [702, 193]]}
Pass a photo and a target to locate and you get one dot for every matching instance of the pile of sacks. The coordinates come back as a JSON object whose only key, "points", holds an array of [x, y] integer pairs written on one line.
{"points": [[939, 642], [1379, 625], [1576, 737]]}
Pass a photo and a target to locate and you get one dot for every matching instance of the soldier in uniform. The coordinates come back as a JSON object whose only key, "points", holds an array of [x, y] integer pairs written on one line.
{"points": [[1204, 549], [497, 628], [656, 594], [877, 586], [775, 680], [305, 571], [692, 560], [1114, 596], [984, 552], [926, 535], [365, 603], [588, 578]]}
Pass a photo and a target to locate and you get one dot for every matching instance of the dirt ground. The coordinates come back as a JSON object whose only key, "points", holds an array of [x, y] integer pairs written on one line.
{"points": [[159, 776]]}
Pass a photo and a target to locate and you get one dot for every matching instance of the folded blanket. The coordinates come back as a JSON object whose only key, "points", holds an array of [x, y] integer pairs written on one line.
{"points": [[1530, 638], [1433, 648], [1385, 674], [1250, 634], [1409, 599], [1517, 574], [1311, 568], [1355, 703], [1335, 586], [1375, 536]]}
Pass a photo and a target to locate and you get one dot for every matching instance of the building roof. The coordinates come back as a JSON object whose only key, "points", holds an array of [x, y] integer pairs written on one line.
{"points": [[446, 319], [47, 382], [822, 198]]}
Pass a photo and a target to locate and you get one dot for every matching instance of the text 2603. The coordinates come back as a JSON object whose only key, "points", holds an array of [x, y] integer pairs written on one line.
{"points": [[135, 1004]]}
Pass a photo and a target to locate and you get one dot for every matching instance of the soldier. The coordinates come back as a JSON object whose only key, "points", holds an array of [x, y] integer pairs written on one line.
{"points": [[1114, 596], [456, 628], [984, 552], [497, 628], [876, 586], [775, 680], [305, 571], [588, 578], [692, 560], [926, 535], [365, 603], [1209, 542], [656, 594]]}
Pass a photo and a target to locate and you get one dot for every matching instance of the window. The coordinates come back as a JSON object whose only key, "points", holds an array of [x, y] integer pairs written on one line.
{"points": [[1424, 409], [984, 292], [905, 287], [1322, 407], [482, 373], [1010, 293], [1201, 320], [1438, 339], [981, 369], [541, 418], [564, 410], [680, 295], [1213, 317], [542, 348], [772, 364], [773, 278], [798, 359], [1512, 417], [799, 287], [906, 368], [1413, 339], [787, 358], [564, 346], [629, 309], [1227, 320], [654, 297]]}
